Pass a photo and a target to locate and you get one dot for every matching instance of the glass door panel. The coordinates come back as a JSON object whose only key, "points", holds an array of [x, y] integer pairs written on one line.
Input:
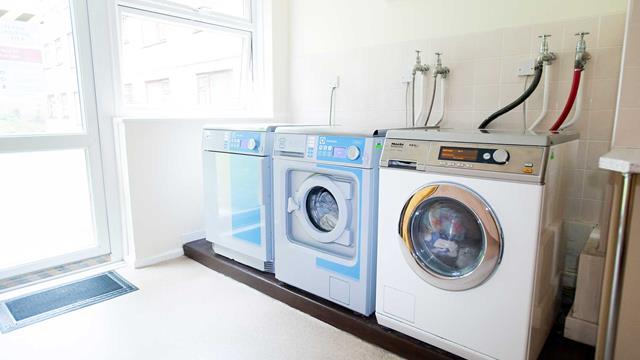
{"points": [[52, 196]]}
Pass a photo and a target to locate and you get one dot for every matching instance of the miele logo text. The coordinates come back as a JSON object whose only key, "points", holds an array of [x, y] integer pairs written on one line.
{"points": [[396, 144]]}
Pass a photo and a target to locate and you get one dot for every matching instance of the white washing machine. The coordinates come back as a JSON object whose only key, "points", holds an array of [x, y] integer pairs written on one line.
{"points": [[325, 212], [237, 189], [468, 239]]}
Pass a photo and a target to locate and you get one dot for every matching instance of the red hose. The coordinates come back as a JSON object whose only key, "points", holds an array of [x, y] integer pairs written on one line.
{"points": [[572, 98]]}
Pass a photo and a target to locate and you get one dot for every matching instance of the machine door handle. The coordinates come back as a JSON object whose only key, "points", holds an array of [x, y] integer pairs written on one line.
{"points": [[292, 205]]}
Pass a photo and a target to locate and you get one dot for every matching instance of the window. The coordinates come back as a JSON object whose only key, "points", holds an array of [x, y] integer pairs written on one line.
{"points": [[173, 62], [158, 91], [213, 85], [237, 8]]}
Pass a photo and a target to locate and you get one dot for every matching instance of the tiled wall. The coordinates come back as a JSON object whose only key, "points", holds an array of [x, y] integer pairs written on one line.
{"points": [[627, 132], [483, 78]]}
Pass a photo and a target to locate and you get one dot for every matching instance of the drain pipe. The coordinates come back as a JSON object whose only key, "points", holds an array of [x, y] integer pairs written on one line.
{"points": [[547, 59], [582, 56], [422, 69], [519, 100], [442, 72]]}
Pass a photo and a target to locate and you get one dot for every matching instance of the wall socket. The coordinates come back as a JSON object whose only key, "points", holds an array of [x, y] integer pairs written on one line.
{"points": [[527, 67], [335, 83]]}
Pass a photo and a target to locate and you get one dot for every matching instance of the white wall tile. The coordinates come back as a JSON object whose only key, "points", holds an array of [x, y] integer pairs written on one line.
{"points": [[595, 184], [516, 41], [595, 149], [590, 210], [600, 125], [630, 91], [611, 30], [486, 71]]}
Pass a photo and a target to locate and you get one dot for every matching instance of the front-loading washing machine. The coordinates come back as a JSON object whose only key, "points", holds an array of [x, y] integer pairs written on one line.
{"points": [[325, 212], [468, 238], [237, 192]]}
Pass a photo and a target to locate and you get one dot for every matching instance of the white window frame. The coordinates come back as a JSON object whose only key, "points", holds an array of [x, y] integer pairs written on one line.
{"points": [[256, 25]]}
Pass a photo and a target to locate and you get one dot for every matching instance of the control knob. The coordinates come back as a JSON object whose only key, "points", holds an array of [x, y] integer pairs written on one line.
{"points": [[252, 144], [353, 152], [500, 156]]}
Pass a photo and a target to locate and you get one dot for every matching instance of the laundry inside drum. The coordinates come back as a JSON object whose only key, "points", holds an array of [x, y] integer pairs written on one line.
{"points": [[322, 209], [447, 237]]}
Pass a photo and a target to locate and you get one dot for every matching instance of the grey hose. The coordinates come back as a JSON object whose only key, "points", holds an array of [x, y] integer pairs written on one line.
{"points": [[433, 99]]}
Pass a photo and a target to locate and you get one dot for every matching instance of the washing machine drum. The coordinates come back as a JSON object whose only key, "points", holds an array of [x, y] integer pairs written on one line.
{"points": [[322, 206], [450, 236], [322, 209]]}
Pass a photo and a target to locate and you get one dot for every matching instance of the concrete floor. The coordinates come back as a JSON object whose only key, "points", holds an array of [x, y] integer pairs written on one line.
{"points": [[185, 311]]}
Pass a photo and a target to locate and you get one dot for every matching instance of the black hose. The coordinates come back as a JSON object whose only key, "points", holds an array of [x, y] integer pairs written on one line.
{"points": [[518, 101]]}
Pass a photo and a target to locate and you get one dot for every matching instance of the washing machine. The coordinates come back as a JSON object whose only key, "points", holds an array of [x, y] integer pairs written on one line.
{"points": [[237, 190], [325, 212], [469, 250]]}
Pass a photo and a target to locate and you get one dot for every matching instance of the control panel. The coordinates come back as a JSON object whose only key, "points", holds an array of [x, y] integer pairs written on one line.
{"points": [[338, 148], [242, 141], [342, 150], [505, 159], [247, 142]]}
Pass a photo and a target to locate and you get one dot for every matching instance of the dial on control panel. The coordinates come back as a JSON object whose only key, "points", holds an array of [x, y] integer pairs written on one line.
{"points": [[252, 144], [353, 153], [500, 156]]}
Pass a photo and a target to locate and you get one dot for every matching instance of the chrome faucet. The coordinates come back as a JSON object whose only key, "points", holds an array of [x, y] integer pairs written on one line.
{"points": [[439, 69], [545, 56], [419, 67], [582, 56]]}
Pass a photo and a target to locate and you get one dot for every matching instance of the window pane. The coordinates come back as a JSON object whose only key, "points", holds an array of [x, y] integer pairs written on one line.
{"points": [[170, 67], [46, 206], [38, 77], [238, 8]]}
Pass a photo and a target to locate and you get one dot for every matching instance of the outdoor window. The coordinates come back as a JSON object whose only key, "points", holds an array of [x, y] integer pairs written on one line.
{"points": [[187, 58]]}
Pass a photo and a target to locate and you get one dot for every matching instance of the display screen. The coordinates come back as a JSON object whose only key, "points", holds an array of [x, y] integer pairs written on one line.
{"points": [[460, 154], [340, 152]]}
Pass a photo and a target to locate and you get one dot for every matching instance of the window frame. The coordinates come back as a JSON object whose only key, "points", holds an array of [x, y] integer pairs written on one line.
{"points": [[260, 101]]}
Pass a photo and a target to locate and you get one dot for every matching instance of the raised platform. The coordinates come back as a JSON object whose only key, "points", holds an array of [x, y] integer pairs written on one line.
{"points": [[366, 328]]}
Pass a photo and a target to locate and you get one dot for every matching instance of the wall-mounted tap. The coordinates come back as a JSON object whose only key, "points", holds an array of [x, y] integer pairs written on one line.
{"points": [[419, 67], [544, 55], [439, 69], [582, 56]]}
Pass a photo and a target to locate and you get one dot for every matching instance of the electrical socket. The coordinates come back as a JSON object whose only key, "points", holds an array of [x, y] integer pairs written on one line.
{"points": [[335, 83], [527, 67]]}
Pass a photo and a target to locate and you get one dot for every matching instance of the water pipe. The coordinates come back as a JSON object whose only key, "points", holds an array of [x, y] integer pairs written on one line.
{"points": [[438, 71], [578, 111], [581, 58], [547, 58], [425, 111], [442, 101], [422, 69]]}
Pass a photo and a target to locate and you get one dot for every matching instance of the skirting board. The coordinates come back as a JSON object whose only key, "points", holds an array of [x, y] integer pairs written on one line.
{"points": [[580, 330], [152, 260]]}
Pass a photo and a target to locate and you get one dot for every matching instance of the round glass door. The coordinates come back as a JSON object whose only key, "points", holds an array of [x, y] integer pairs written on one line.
{"points": [[451, 236], [447, 237], [322, 209]]}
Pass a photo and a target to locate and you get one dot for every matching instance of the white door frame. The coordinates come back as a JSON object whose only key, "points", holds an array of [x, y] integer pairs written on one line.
{"points": [[90, 25]]}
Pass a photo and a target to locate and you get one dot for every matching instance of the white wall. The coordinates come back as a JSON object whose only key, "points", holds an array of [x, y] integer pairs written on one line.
{"points": [[334, 25], [371, 49], [163, 163]]}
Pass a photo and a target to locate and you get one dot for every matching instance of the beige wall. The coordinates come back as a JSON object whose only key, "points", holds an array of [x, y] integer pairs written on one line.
{"points": [[627, 127]]}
